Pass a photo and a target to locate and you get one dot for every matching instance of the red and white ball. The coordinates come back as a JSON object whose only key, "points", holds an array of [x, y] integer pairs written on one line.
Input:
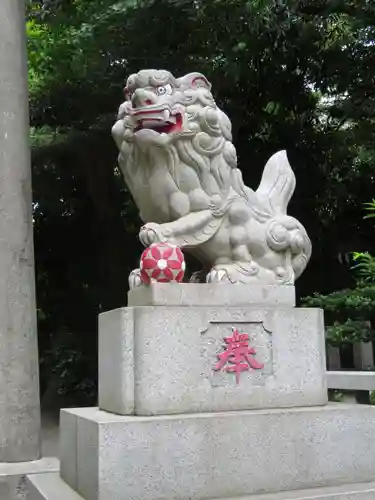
{"points": [[162, 262]]}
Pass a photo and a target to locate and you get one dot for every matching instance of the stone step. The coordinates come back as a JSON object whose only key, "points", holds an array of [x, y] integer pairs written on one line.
{"points": [[49, 486], [206, 456], [355, 491], [13, 476]]}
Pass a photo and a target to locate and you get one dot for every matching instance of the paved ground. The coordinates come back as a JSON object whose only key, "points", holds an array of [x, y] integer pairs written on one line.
{"points": [[50, 434]]}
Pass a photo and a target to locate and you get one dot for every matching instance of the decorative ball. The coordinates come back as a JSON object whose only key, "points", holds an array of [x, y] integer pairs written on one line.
{"points": [[162, 262]]}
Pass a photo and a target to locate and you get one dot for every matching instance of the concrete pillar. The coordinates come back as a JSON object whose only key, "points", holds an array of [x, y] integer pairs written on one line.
{"points": [[19, 378]]}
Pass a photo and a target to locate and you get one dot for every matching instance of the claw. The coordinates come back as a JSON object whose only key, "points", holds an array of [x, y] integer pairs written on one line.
{"points": [[198, 277], [217, 275], [135, 279], [149, 234], [156, 233]]}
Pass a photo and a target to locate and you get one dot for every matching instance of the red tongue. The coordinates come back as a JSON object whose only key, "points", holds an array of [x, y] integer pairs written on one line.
{"points": [[171, 127], [166, 129]]}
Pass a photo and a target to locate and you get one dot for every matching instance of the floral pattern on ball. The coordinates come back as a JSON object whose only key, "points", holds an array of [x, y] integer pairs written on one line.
{"points": [[162, 263]]}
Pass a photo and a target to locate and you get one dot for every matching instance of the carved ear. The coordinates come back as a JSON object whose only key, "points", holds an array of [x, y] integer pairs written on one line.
{"points": [[194, 81]]}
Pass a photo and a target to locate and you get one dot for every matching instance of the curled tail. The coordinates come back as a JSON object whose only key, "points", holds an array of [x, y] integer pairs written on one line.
{"points": [[277, 184], [284, 233]]}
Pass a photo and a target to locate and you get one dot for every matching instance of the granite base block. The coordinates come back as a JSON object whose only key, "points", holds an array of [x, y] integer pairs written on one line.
{"points": [[360, 491], [228, 454], [13, 476], [212, 294], [161, 360], [52, 487]]}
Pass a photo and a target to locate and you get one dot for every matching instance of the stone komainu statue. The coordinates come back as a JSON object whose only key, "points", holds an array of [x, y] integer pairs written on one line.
{"points": [[178, 160]]}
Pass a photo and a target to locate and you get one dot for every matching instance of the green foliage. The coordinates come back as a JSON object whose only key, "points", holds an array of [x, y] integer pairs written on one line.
{"points": [[335, 396], [364, 262], [370, 207], [290, 75], [350, 313], [365, 265]]}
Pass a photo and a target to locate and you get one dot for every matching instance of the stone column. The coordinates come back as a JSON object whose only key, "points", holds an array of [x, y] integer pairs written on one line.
{"points": [[19, 378]]}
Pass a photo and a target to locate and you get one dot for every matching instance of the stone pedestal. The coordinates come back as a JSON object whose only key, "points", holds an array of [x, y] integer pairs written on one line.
{"points": [[158, 359], [52, 487], [172, 425], [215, 455], [312, 453]]}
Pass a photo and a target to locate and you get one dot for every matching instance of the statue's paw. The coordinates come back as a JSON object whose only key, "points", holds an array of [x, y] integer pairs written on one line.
{"points": [[217, 275], [135, 279], [149, 234], [234, 272], [198, 277], [156, 233]]}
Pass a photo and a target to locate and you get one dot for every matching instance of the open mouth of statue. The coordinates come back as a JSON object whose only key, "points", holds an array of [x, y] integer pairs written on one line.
{"points": [[163, 122]]}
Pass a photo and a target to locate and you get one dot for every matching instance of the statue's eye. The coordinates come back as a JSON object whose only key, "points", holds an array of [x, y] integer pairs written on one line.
{"points": [[166, 89]]}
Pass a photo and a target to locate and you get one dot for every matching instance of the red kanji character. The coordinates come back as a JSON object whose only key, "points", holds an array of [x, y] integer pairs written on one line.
{"points": [[239, 354]]}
